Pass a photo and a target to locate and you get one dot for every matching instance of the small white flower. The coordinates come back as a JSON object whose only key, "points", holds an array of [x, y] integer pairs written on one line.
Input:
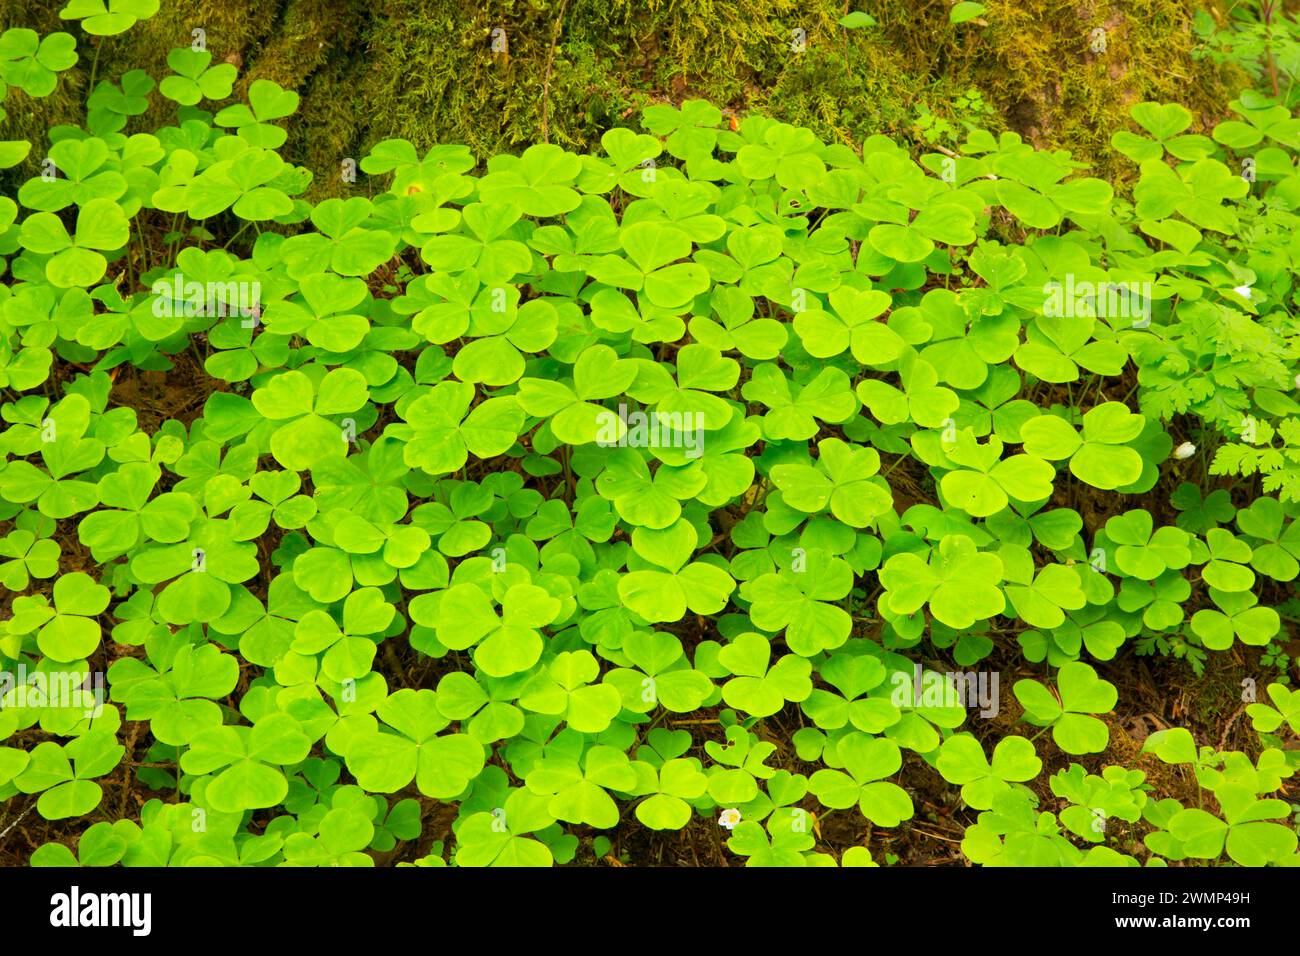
{"points": [[729, 818], [1297, 381], [1184, 451], [1243, 291]]}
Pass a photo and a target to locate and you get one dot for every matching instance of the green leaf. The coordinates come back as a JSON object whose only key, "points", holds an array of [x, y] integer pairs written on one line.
{"points": [[964, 11]]}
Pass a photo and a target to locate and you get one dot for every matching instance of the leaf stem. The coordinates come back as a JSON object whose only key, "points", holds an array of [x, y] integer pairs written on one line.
{"points": [[546, 80], [94, 66]]}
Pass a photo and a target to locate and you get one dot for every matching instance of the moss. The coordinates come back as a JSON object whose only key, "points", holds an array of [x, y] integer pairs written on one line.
{"points": [[1050, 82], [230, 27], [435, 78], [314, 50], [424, 70], [29, 118]]}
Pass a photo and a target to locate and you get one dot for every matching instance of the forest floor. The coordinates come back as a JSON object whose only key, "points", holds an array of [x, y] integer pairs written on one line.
{"points": [[1155, 692]]}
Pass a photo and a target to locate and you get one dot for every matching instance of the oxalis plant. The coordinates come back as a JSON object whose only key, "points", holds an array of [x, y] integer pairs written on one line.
{"points": [[719, 478]]}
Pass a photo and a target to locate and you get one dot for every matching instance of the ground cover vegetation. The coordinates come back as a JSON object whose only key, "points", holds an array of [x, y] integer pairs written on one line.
{"points": [[719, 491]]}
